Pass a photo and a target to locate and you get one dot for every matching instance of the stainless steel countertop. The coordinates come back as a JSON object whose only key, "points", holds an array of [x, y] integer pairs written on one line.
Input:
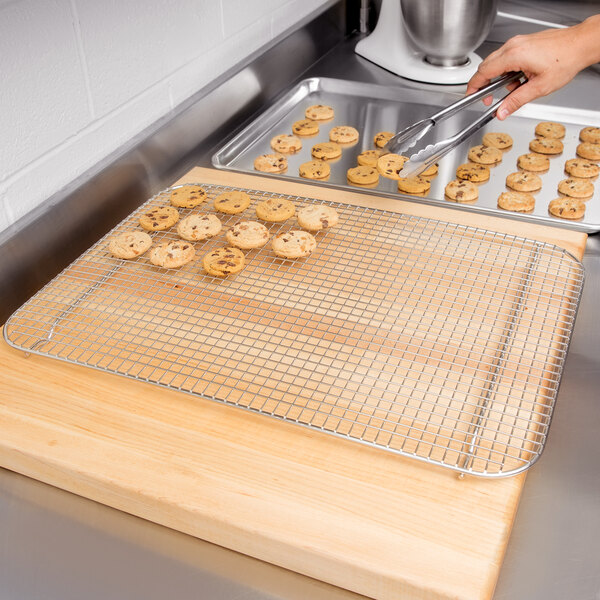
{"points": [[55, 545]]}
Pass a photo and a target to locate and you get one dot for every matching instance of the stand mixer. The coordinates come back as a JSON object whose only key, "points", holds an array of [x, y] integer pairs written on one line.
{"points": [[429, 40]]}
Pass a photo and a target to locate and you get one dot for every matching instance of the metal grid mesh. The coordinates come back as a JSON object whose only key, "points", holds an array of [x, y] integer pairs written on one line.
{"points": [[433, 340]]}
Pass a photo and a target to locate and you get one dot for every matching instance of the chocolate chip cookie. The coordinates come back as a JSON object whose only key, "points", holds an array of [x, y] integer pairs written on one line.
{"points": [[159, 219], [224, 261], [293, 244]]}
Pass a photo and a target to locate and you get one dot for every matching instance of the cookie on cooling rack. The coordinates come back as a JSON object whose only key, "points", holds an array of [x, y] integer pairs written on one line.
{"points": [[129, 244], [187, 196], [248, 235], [196, 228], [275, 210], [224, 261], [172, 255], [159, 219], [232, 202], [316, 217], [293, 244]]}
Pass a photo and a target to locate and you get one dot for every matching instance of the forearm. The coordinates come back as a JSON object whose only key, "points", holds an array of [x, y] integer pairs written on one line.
{"points": [[587, 40]]}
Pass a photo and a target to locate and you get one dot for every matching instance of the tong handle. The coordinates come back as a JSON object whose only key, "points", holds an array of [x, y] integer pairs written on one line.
{"points": [[478, 95]]}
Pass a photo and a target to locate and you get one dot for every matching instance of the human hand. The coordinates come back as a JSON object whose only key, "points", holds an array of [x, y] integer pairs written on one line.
{"points": [[549, 59]]}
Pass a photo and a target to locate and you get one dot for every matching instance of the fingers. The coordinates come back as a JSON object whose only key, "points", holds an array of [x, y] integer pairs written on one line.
{"points": [[523, 94], [487, 70]]}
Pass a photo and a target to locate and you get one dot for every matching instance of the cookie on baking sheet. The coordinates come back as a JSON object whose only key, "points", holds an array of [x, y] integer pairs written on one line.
{"points": [[502, 141], [232, 202], [485, 155], [187, 196], [579, 167], [343, 134], [314, 169], [473, 172], [271, 163], [305, 127], [576, 188], [533, 162], [516, 201], [548, 129], [248, 235], [316, 217], [390, 165], [195, 228], [567, 208], [590, 134], [414, 185], [223, 261], [129, 244], [431, 171], [546, 146], [382, 138], [319, 112], [275, 210], [368, 158], [326, 151], [460, 190], [159, 219], [293, 244], [589, 151], [363, 175], [286, 143], [524, 181], [172, 255]]}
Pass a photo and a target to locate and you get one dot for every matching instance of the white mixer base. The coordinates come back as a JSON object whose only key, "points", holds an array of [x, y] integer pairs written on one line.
{"points": [[389, 47]]}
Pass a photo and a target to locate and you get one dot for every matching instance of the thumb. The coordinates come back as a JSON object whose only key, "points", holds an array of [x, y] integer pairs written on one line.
{"points": [[523, 94]]}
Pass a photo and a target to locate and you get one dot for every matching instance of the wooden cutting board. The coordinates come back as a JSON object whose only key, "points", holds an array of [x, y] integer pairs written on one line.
{"points": [[354, 516]]}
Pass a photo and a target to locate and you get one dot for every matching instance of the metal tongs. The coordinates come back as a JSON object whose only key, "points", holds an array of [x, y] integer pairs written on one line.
{"points": [[425, 158]]}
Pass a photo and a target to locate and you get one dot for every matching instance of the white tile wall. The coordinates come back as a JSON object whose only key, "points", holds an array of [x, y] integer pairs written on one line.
{"points": [[82, 77]]}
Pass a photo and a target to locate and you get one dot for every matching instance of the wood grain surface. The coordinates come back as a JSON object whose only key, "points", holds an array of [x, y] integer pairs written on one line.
{"points": [[351, 515]]}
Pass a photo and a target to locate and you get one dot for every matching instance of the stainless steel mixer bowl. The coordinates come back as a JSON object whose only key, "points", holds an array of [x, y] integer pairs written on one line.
{"points": [[447, 30]]}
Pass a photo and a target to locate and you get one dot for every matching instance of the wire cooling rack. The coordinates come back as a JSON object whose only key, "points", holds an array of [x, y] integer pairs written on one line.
{"points": [[436, 341]]}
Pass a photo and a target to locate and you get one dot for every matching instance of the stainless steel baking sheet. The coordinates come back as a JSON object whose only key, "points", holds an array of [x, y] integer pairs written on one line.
{"points": [[372, 108]]}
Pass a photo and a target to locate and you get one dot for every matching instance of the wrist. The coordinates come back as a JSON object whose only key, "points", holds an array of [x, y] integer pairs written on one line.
{"points": [[588, 40]]}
